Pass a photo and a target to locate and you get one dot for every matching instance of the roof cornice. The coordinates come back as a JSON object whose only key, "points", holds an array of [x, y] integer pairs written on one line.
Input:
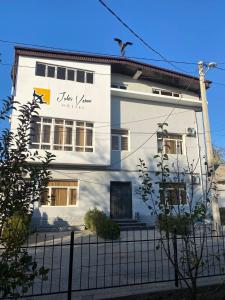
{"points": [[119, 65]]}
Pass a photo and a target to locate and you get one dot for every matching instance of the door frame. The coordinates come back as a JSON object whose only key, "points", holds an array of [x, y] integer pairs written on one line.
{"points": [[131, 202]]}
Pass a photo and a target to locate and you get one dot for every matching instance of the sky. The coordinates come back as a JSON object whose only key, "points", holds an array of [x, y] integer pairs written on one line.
{"points": [[180, 30]]}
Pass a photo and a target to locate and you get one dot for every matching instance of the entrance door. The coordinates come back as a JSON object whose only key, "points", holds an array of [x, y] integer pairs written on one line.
{"points": [[120, 200]]}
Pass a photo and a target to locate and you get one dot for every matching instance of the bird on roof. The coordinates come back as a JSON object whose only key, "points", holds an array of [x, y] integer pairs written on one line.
{"points": [[122, 45]]}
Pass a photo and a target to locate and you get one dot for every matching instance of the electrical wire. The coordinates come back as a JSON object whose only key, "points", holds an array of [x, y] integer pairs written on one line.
{"points": [[101, 54], [95, 53], [142, 144], [138, 36], [127, 122]]}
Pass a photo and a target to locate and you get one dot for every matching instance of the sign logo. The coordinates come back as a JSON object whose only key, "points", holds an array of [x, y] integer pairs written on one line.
{"points": [[77, 102], [44, 93]]}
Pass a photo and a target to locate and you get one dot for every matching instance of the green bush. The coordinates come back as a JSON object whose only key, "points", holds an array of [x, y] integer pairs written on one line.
{"points": [[180, 223], [16, 229], [92, 218], [108, 229], [97, 221]]}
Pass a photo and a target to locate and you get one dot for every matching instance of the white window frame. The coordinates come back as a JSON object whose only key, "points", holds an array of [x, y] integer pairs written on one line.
{"points": [[120, 138], [63, 145], [179, 190], [158, 91], [118, 85], [67, 68], [182, 140], [49, 188]]}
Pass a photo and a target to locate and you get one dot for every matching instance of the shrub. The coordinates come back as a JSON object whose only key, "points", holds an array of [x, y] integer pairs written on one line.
{"points": [[97, 221], [108, 229], [92, 218], [180, 223], [16, 229]]}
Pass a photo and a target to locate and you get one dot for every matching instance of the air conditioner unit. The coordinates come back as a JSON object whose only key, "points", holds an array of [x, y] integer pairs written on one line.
{"points": [[191, 132], [196, 179]]}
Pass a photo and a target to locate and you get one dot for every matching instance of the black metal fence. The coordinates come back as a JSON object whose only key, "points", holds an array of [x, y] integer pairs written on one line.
{"points": [[81, 261]]}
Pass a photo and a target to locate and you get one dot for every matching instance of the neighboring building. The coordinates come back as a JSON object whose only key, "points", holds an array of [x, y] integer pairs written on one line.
{"points": [[99, 117], [220, 184]]}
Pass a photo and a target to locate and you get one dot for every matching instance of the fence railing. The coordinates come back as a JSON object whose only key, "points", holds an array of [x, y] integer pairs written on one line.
{"points": [[81, 261]]}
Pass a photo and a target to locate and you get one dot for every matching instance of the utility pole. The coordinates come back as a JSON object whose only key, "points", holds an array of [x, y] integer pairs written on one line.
{"points": [[209, 149]]}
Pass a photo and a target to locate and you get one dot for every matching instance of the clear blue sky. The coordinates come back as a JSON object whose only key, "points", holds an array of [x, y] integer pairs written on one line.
{"points": [[181, 30]]}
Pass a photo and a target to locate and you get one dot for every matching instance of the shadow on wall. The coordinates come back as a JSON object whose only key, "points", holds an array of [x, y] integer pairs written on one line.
{"points": [[40, 222]]}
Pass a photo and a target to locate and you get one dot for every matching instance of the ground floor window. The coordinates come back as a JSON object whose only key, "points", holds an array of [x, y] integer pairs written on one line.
{"points": [[174, 193], [60, 193]]}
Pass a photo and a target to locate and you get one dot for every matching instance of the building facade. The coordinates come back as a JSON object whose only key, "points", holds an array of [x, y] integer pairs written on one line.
{"points": [[99, 116]]}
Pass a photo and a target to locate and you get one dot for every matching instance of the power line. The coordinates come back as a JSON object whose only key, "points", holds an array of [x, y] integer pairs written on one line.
{"points": [[138, 36], [99, 53], [95, 53], [218, 83], [139, 147], [105, 74], [142, 144], [127, 122], [219, 68]]}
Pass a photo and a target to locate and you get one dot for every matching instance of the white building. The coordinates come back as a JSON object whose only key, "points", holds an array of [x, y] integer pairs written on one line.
{"points": [[99, 117]]}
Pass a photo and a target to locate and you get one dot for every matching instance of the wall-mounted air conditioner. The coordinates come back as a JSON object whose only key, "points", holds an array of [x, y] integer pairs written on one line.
{"points": [[191, 132]]}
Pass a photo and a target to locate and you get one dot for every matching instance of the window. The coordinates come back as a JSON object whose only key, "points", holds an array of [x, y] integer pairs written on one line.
{"points": [[60, 193], [119, 139], [61, 73], [170, 143], [64, 73], [40, 133], [89, 77], [156, 91], [40, 69], [84, 137], [119, 86], [173, 193], [51, 71], [70, 75], [165, 93], [59, 134], [80, 76], [176, 95]]}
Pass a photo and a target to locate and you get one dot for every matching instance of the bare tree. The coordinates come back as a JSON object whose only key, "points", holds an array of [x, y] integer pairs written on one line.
{"points": [[177, 224]]}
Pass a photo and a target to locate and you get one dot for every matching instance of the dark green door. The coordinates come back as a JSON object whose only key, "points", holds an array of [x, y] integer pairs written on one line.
{"points": [[120, 200]]}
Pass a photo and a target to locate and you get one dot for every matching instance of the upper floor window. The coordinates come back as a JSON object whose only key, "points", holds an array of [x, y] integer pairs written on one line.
{"points": [[119, 86], [64, 73], [60, 193], [120, 139], [59, 134], [170, 143], [165, 93], [173, 193]]}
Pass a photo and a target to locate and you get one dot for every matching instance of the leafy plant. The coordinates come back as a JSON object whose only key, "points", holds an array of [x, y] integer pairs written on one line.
{"points": [[24, 175], [108, 229], [16, 228], [97, 221], [181, 224], [92, 218]]}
